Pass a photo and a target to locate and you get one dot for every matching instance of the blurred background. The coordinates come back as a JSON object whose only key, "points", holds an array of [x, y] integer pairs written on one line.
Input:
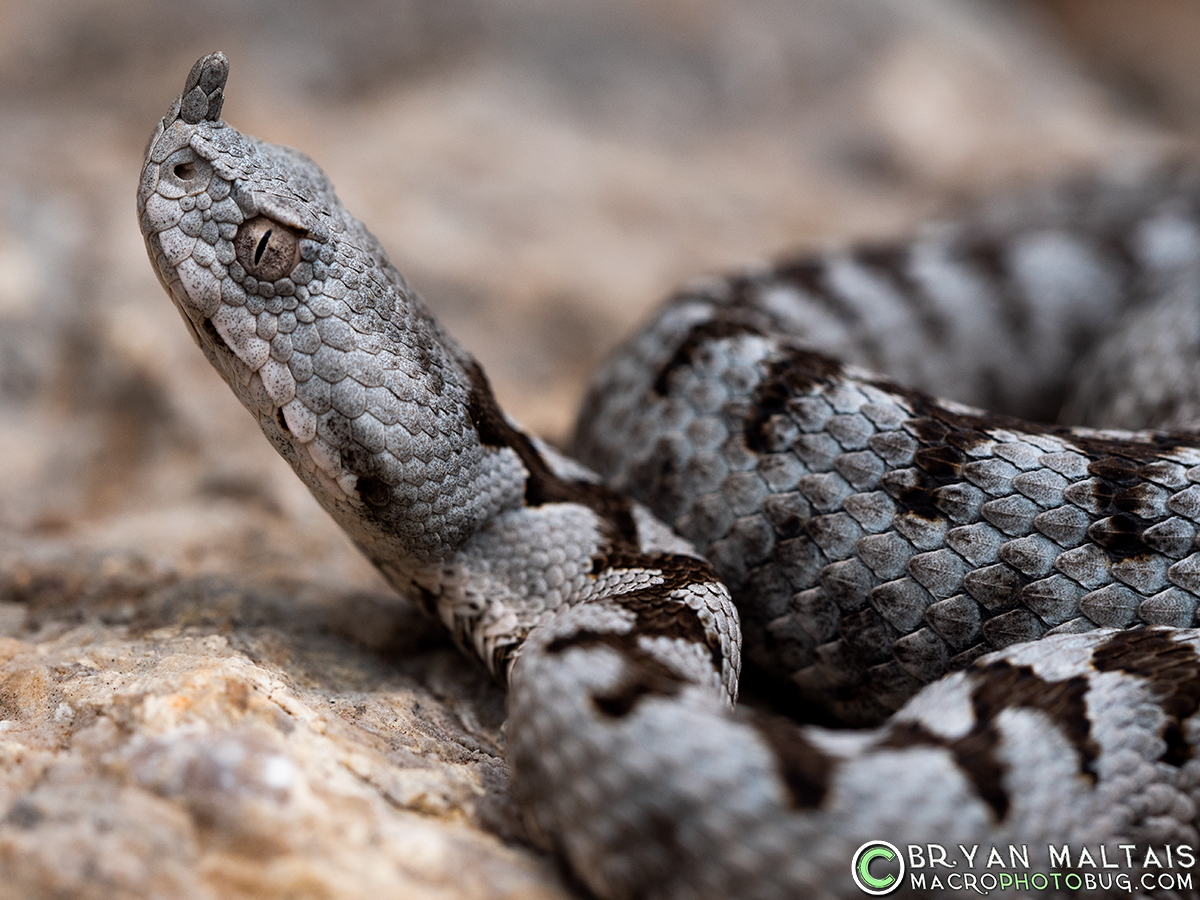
{"points": [[544, 172]]}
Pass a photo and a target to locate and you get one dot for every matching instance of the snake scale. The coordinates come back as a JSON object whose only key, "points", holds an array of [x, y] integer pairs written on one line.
{"points": [[1004, 610]]}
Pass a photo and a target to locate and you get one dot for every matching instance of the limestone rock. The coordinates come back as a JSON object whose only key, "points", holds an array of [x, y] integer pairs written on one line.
{"points": [[197, 737]]}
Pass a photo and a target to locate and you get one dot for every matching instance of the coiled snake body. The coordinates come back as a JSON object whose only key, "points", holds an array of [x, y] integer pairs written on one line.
{"points": [[874, 538]]}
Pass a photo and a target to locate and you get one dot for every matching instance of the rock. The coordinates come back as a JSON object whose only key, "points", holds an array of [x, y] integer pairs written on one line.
{"points": [[197, 737]]}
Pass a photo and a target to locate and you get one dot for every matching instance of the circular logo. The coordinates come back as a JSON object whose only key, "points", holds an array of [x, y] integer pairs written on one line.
{"points": [[877, 868]]}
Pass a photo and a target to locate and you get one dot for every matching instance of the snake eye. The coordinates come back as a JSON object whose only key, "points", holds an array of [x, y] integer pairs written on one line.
{"points": [[266, 249]]}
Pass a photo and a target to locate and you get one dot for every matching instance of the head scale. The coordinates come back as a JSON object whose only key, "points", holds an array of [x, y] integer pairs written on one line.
{"points": [[204, 90]]}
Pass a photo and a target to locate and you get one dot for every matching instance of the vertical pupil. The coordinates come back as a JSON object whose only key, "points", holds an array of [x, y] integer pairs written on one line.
{"points": [[262, 246]]}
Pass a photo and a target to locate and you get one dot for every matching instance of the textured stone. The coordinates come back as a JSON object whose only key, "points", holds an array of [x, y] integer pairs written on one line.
{"points": [[196, 736]]}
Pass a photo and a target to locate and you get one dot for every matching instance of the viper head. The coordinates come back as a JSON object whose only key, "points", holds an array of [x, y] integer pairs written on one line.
{"points": [[294, 302]]}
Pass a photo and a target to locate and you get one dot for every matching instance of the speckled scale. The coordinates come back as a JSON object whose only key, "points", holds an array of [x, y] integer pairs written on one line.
{"points": [[956, 619], [1054, 599], [1065, 525]]}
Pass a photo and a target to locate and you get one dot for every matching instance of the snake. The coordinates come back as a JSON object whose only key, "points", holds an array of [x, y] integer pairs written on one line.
{"points": [[959, 627]]}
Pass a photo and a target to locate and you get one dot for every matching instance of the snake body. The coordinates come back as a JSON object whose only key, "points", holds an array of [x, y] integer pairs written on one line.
{"points": [[874, 538]]}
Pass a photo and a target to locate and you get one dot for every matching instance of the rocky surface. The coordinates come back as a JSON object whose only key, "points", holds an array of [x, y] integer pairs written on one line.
{"points": [[204, 691]]}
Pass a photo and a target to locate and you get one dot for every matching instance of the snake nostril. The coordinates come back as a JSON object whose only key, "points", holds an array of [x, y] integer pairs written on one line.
{"points": [[184, 171]]}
